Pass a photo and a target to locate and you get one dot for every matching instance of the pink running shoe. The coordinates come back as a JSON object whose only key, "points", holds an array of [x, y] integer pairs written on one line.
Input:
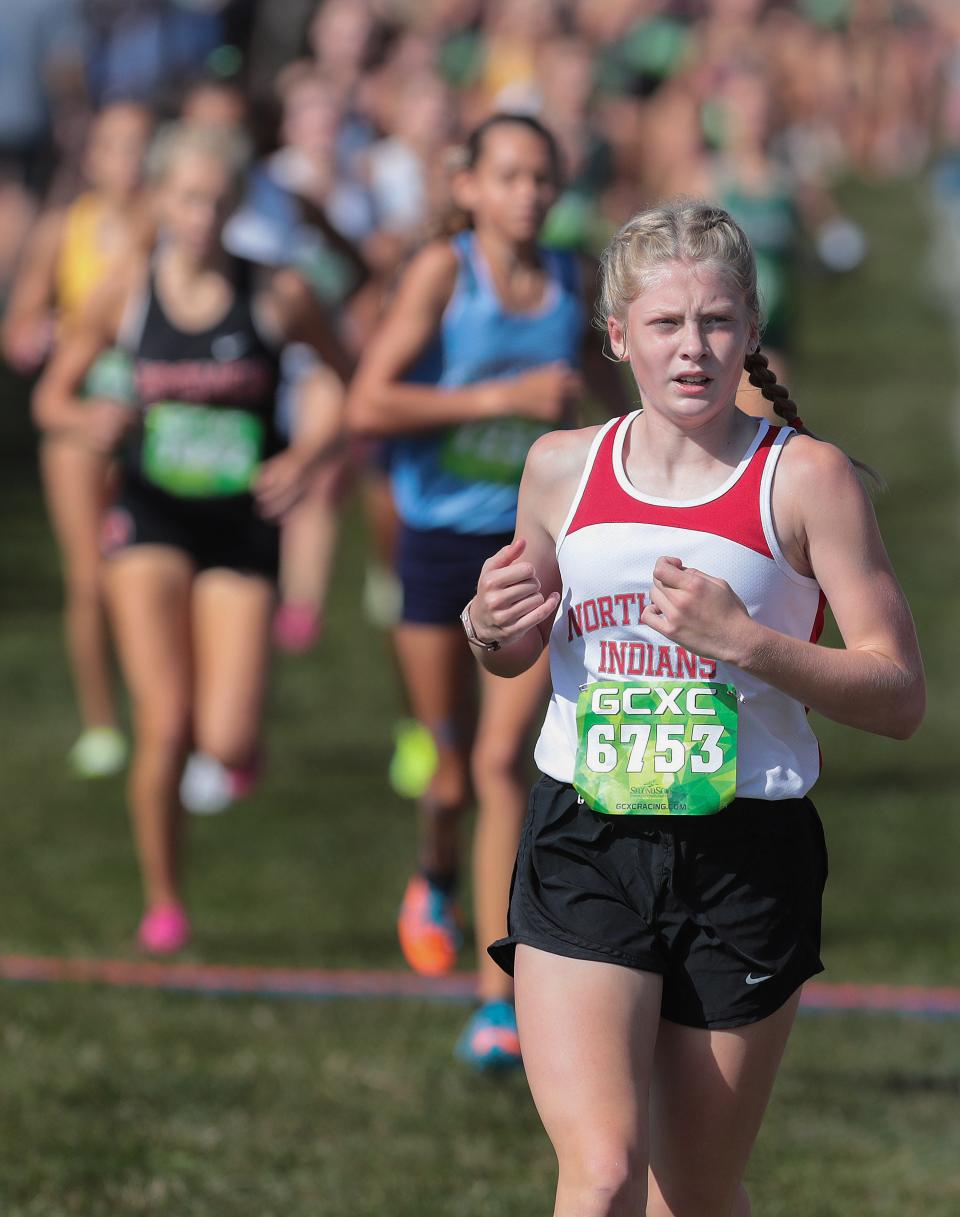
{"points": [[296, 628], [164, 930], [243, 782]]}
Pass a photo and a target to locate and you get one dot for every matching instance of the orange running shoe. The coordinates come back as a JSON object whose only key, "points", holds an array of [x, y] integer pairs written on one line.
{"points": [[429, 928]]}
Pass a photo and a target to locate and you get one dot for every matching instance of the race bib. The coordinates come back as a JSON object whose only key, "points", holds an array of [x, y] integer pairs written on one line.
{"points": [[665, 748], [490, 451], [201, 451], [111, 375]]}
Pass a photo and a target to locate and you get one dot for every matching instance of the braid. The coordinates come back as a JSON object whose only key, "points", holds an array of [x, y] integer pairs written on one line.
{"points": [[763, 378]]}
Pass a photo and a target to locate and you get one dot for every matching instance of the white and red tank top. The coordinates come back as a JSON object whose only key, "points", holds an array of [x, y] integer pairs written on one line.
{"points": [[606, 551]]}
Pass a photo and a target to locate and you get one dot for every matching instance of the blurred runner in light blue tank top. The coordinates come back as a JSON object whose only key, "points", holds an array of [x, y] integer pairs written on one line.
{"points": [[465, 478]]}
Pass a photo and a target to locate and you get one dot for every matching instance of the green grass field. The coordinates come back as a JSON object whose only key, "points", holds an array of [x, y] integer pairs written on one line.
{"points": [[120, 1103]]}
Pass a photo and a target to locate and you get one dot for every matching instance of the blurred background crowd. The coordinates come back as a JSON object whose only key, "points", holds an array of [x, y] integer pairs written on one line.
{"points": [[356, 108], [355, 112]]}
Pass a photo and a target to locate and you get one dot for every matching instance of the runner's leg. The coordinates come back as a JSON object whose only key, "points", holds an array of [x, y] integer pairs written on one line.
{"points": [[149, 590], [439, 677], [500, 767], [231, 615], [588, 1032], [74, 482], [710, 1090], [438, 674], [308, 544]]}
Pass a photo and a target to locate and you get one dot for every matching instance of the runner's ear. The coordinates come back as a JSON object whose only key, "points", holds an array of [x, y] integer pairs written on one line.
{"points": [[618, 338]]}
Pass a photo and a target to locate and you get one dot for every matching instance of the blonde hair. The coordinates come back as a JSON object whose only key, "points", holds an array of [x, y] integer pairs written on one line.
{"points": [[693, 231], [230, 148]]}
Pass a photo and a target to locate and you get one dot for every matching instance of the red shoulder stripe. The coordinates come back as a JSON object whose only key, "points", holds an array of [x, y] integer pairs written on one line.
{"points": [[734, 515]]}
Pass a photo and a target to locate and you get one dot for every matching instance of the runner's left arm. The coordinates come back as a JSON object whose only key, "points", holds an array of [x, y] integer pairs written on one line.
{"points": [[319, 435], [299, 317], [293, 311], [875, 681]]}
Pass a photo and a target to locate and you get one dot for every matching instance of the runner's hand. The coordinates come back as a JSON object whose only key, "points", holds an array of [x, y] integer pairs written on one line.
{"points": [[27, 344], [546, 395], [105, 422], [281, 483], [700, 612], [509, 602]]}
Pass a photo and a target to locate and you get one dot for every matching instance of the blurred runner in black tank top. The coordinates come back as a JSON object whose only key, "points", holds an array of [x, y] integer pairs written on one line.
{"points": [[192, 541]]}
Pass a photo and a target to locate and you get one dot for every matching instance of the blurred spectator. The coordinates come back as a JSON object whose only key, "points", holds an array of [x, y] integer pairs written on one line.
{"points": [[405, 168], [565, 72], [138, 46], [42, 57], [214, 101]]}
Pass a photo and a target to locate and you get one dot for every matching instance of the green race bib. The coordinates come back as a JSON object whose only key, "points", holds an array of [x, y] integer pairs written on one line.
{"points": [[657, 749], [201, 451], [490, 452], [111, 375]]}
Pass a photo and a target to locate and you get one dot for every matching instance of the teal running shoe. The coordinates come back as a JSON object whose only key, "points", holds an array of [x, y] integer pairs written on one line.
{"points": [[490, 1042]]}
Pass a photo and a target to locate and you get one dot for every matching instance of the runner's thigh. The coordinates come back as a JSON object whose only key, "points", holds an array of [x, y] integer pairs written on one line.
{"points": [[710, 1090], [587, 1031], [231, 616]]}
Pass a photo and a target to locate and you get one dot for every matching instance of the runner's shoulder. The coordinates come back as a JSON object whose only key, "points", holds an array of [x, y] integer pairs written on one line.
{"points": [[104, 308], [434, 268], [811, 466], [559, 456]]}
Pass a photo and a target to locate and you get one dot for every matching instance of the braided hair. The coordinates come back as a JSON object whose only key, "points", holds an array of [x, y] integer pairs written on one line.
{"points": [[763, 377]]}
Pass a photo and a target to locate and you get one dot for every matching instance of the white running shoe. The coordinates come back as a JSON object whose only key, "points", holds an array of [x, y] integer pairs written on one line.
{"points": [[206, 787]]}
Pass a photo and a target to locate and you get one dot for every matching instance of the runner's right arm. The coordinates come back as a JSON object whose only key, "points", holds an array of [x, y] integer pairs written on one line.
{"points": [[57, 407], [520, 586], [28, 323], [380, 403]]}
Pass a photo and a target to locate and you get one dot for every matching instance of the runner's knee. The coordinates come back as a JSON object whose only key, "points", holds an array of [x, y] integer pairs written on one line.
{"points": [[449, 787], [450, 784], [497, 759], [83, 589], [605, 1180], [163, 726], [231, 747]]}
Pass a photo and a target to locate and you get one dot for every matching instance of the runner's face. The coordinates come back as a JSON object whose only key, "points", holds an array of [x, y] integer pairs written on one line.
{"points": [[114, 156], [513, 184], [196, 198], [686, 337]]}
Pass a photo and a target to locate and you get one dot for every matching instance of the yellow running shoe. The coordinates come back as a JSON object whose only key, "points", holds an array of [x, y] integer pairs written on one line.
{"points": [[100, 752], [414, 760]]}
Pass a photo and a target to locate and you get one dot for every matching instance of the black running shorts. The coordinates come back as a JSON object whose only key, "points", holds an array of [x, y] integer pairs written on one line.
{"points": [[225, 533], [725, 908]]}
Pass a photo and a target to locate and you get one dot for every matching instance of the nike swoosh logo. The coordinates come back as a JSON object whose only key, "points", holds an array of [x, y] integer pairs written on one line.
{"points": [[755, 980]]}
